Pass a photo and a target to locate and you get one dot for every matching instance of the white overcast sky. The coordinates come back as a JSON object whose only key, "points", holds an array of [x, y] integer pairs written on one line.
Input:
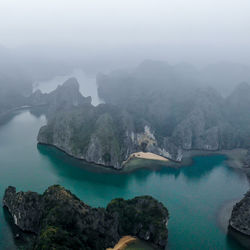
{"points": [[202, 24]]}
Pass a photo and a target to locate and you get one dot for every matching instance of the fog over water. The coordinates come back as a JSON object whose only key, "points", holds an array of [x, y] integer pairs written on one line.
{"points": [[172, 78]]}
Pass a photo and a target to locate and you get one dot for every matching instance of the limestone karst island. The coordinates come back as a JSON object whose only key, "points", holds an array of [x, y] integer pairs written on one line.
{"points": [[124, 125]]}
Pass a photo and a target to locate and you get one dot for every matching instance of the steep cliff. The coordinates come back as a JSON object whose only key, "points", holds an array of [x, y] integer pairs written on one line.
{"points": [[61, 220], [104, 135], [64, 97], [150, 109], [178, 108], [246, 160], [240, 217], [149, 225]]}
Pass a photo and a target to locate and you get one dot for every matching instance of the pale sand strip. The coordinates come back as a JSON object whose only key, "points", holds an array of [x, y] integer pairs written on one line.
{"points": [[123, 243], [148, 155], [145, 155]]}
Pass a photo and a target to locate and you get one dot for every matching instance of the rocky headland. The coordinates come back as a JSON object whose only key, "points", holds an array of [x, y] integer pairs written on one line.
{"points": [[239, 223], [167, 118], [60, 220], [240, 217], [64, 97]]}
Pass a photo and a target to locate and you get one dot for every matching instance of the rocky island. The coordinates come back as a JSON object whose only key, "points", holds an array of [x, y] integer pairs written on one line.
{"points": [[166, 118], [60, 220], [64, 97], [240, 217], [239, 223]]}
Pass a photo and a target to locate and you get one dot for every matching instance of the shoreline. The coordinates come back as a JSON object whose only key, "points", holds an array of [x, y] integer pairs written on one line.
{"points": [[131, 166], [145, 156], [8, 114], [93, 164], [224, 213], [123, 243], [223, 217], [234, 160]]}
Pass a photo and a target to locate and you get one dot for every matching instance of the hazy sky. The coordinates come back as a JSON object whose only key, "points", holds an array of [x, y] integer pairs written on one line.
{"points": [[185, 29]]}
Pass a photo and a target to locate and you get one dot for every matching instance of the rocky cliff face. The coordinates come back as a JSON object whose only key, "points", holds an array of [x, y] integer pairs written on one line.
{"points": [[247, 159], [178, 109], [147, 225], [60, 219], [165, 118], [206, 126], [64, 97], [103, 135], [240, 217], [25, 208]]}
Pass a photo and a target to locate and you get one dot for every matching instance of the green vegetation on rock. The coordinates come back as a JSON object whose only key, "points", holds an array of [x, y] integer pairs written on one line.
{"points": [[61, 221]]}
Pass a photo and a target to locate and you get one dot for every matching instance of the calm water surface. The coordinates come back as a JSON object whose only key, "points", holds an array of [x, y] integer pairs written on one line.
{"points": [[192, 194]]}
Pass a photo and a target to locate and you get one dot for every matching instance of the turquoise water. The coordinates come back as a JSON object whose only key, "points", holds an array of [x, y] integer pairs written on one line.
{"points": [[193, 194]]}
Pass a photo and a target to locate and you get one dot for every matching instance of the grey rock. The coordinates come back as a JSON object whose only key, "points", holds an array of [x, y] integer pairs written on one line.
{"points": [[165, 118], [60, 219], [246, 160], [64, 97], [25, 208], [240, 217]]}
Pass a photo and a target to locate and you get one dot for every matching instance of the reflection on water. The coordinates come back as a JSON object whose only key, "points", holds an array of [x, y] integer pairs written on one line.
{"points": [[242, 239], [193, 194], [200, 168]]}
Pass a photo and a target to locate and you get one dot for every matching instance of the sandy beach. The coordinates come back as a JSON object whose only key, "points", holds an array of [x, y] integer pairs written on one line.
{"points": [[148, 156], [123, 243]]}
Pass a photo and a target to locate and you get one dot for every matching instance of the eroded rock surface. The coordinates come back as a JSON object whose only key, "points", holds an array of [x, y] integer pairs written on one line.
{"points": [[61, 221], [149, 109], [240, 217]]}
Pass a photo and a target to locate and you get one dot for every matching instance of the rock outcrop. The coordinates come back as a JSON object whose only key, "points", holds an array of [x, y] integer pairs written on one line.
{"points": [[178, 109], [246, 160], [103, 135], [140, 217], [60, 220], [64, 97], [240, 217], [165, 118]]}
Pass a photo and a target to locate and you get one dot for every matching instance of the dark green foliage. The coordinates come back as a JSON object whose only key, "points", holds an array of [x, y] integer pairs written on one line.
{"points": [[140, 215], [107, 157], [61, 225], [105, 125], [65, 222], [57, 238]]}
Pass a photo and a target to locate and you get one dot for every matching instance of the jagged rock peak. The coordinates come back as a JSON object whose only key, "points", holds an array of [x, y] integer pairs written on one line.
{"points": [[71, 82], [65, 96]]}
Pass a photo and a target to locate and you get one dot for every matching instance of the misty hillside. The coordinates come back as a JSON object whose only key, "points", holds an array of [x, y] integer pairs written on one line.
{"points": [[166, 95], [141, 108], [151, 109], [224, 77], [15, 83]]}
